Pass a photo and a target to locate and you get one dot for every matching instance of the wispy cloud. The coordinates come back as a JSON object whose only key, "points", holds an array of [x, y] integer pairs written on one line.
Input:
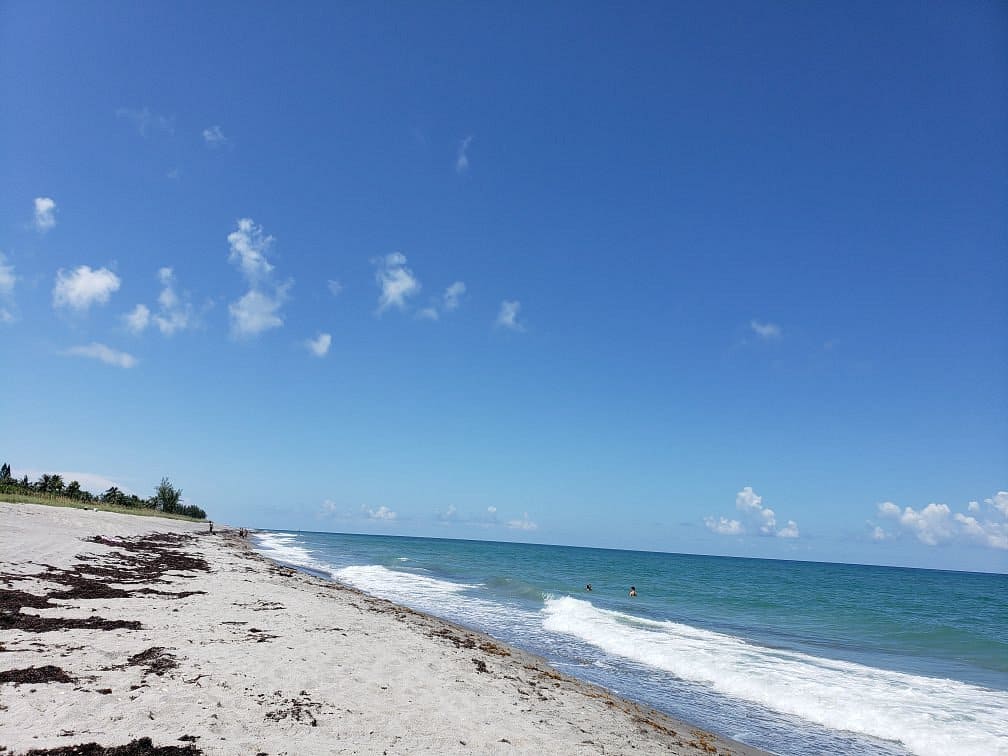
{"points": [[462, 157], [382, 513], [335, 287], [7, 283], [213, 137], [137, 319], [45, 214], [146, 122], [395, 281], [507, 316], [82, 287], [766, 331], [936, 524], [319, 346], [109, 356], [174, 313], [259, 309], [523, 524], [452, 296], [755, 518]]}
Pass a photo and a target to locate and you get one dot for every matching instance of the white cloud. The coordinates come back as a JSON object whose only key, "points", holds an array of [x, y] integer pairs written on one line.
{"points": [[7, 282], [83, 287], [382, 513], [256, 312], [137, 320], [213, 137], [755, 518], [109, 356], [462, 159], [396, 281], [507, 316], [724, 526], [523, 524], [789, 531], [999, 501], [937, 524], [319, 346], [878, 534], [248, 250], [45, 213], [335, 287], [452, 295], [766, 331], [492, 510], [147, 122], [428, 313]]}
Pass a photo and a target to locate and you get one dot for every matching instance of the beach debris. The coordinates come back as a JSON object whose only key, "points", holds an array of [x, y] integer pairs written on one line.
{"points": [[46, 674], [139, 747], [299, 708], [480, 665], [155, 660]]}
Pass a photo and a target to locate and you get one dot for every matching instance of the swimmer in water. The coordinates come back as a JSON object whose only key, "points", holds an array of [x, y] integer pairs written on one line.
{"points": [[633, 591], [588, 587]]}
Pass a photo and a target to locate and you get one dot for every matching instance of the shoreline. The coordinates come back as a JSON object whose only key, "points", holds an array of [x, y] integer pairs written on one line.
{"points": [[259, 657]]}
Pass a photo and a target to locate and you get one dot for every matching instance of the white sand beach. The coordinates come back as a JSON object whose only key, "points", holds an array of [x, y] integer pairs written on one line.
{"points": [[193, 641]]}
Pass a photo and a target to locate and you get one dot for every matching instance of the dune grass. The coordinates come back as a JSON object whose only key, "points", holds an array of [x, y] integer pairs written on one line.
{"points": [[62, 501]]}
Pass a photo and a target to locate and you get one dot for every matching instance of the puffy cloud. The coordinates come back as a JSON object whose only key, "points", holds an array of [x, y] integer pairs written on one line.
{"points": [[755, 518], [174, 313], [452, 295], [109, 356], [507, 316], [213, 137], [999, 501], [724, 526], [523, 524], [765, 331], [396, 282], [259, 309], [7, 282], [138, 319], [256, 312], [492, 510], [319, 346], [937, 524], [147, 122], [878, 534], [248, 250], [83, 287], [462, 158], [382, 513], [45, 213]]}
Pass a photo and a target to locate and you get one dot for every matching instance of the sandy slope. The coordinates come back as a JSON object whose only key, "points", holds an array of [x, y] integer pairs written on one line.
{"points": [[261, 659]]}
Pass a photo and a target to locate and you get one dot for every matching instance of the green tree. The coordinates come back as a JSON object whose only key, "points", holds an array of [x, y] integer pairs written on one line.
{"points": [[166, 498], [5, 476], [73, 490]]}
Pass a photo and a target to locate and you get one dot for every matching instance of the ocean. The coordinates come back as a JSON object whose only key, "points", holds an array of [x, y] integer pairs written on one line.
{"points": [[791, 657]]}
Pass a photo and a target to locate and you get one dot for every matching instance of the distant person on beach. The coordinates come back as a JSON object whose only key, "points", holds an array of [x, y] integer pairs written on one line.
{"points": [[633, 591], [588, 587], [211, 527]]}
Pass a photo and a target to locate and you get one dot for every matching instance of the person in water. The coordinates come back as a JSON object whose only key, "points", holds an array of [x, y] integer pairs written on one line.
{"points": [[588, 587], [633, 591]]}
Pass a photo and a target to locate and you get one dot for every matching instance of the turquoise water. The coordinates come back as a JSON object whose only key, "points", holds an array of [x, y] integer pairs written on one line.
{"points": [[792, 657]]}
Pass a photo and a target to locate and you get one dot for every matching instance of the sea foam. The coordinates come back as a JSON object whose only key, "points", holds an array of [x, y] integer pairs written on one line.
{"points": [[928, 715]]}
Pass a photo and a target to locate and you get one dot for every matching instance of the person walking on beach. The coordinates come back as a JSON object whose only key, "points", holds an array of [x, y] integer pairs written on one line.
{"points": [[633, 591]]}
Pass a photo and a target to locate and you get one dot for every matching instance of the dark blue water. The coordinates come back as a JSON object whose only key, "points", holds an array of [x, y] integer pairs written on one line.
{"points": [[793, 657]]}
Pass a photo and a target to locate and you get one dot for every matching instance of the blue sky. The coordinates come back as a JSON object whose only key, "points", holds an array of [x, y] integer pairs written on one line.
{"points": [[724, 280]]}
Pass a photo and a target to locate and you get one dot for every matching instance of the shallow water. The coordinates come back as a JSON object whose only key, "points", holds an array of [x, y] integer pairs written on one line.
{"points": [[792, 657]]}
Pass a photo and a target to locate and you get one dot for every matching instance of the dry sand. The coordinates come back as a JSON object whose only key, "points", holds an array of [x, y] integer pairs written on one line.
{"points": [[197, 643]]}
